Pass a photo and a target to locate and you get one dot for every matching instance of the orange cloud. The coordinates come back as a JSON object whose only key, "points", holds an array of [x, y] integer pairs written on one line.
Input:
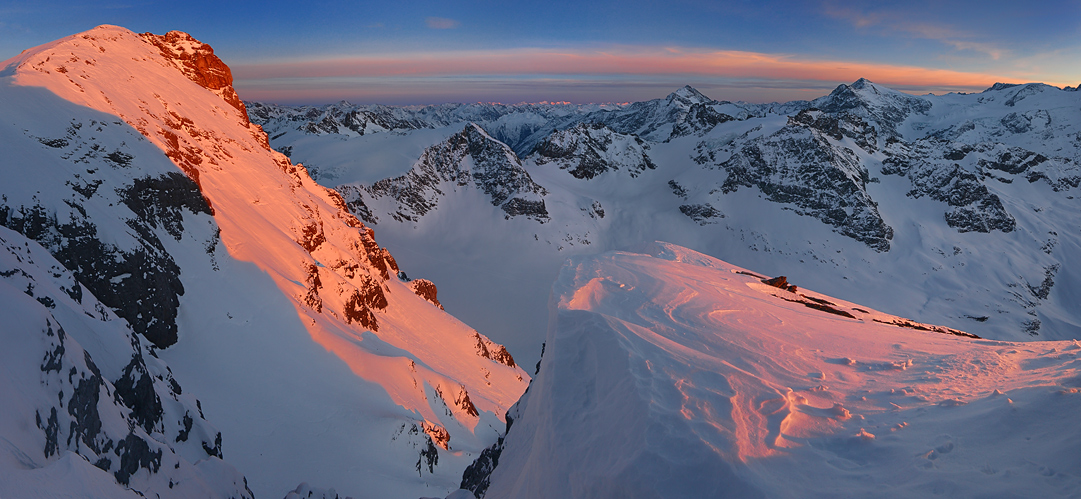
{"points": [[618, 61]]}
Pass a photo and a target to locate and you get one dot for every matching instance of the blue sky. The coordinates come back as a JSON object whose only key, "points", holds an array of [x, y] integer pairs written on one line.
{"points": [[512, 51]]}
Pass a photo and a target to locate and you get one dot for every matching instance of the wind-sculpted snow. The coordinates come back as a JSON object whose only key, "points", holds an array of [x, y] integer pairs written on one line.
{"points": [[82, 391], [159, 194], [668, 373]]}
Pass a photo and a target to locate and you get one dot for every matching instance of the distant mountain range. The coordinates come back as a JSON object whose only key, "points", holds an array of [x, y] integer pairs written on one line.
{"points": [[958, 209], [205, 297]]}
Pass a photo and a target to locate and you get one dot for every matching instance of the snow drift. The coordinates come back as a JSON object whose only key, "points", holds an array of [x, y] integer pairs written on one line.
{"points": [[668, 373]]}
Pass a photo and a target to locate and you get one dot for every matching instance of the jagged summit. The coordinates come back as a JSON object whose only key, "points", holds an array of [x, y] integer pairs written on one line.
{"points": [[197, 61], [471, 159], [151, 185], [1000, 86], [886, 106], [688, 96]]}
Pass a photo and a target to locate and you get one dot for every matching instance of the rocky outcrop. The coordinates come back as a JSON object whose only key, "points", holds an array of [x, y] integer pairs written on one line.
{"points": [[197, 61], [804, 168], [470, 158], [780, 282], [129, 270], [490, 350], [426, 289], [590, 149], [133, 421]]}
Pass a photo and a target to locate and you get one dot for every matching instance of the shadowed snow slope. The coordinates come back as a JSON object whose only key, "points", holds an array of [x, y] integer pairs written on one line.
{"points": [[130, 158], [669, 373], [89, 409]]}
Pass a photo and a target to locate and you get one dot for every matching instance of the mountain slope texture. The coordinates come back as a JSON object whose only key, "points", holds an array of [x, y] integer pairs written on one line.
{"points": [[959, 209], [130, 159]]}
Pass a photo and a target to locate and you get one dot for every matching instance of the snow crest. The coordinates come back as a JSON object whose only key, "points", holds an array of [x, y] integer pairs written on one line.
{"points": [[668, 373]]}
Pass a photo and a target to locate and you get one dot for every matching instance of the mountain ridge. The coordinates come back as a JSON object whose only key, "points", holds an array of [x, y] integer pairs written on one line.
{"points": [[916, 180], [158, 181]]}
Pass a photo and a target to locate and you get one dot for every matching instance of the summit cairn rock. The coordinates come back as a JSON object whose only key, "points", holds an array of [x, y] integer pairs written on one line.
{"points": [[780, 282]]}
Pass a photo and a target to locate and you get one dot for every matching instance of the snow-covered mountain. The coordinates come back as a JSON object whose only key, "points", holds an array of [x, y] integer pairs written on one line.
{"points": [[470, 160], [520, 126], [957, 209], [131, 160], [187, 312], [89, 408], [668, 373]]}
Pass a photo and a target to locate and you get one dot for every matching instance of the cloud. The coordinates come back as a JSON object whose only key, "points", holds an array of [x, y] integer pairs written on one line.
{"points": [[441, 23], [898, 23], [597, 89], [622, 60]]}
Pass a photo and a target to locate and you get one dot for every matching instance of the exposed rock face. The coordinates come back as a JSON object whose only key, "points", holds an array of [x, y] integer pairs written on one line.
{"points": [[704, 214], [800, 165], [973, 207], [780, 282], [197, 61], [590, 149], [490, 350], [469, 158], [700, 118], [133, 421], [149, 175], [426, 289], [130, 271], [885, 107]]}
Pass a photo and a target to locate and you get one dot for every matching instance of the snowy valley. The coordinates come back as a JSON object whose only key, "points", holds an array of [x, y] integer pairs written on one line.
{"points": [[207, 297]]}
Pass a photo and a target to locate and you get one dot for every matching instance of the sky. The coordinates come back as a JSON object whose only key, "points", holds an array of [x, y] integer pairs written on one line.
{"points": [[429, 52]]}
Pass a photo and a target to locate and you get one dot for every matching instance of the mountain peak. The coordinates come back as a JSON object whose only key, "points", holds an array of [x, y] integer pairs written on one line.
{"points": [[197, 61], [1001, 86], [111, 45], [861, 84], [93, 98], [688, 95], [474, 132]]}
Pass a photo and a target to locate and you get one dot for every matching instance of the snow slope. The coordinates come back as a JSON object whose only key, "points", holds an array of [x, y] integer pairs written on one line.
{"points": [[955, 209], [132, 160], [89, 408], [668, 373]]}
